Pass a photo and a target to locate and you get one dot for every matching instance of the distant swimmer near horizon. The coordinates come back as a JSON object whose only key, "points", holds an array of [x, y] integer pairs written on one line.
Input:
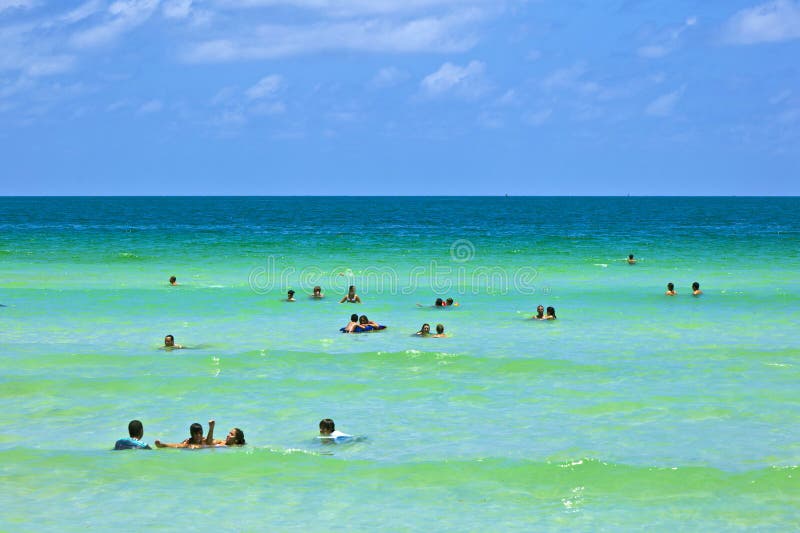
{"points": [[173, 280], [631, 260], [290, 296], [134, 441]]}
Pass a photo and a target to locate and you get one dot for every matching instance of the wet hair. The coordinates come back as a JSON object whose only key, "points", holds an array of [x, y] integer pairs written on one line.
{"points": [[695, 286], [352, 288], [195, 428], [327, 425], [173, 279], [170, 337], [423, 326], [135, 429], [670, 286], [551, 311], [317, 289], [439, 302], [290, 293], [630, 256], [238, 437], [449, 301], [439, 328], [354, 318], [363, 319]]}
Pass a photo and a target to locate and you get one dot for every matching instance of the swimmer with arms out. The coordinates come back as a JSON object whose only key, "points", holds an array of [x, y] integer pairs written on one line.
{"points": [[235, 437], [134, 442], [195, 440], [169, 343], [351, 296], [328, 433], [670, 289]]}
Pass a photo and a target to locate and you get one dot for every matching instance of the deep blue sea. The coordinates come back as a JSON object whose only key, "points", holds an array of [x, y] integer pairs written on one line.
{"points": [[631, 411]]}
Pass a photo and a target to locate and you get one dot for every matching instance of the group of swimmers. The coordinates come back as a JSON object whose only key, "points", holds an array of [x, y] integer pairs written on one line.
{"points": [[327, 434], [671, 289], [540, 313]]}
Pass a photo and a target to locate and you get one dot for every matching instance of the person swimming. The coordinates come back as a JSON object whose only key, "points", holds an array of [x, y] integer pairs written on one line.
{"points": [[352, 325], [351, 296], [173, 280], [424, 331], [670, 289], [169, 343], [539, 313], [329, 434], [317, 292], [450, 302], [195, 440], [696, 289], [235, 437], [290, 296], [631, 260], [439, 331], [134, 441], [551, 314]]}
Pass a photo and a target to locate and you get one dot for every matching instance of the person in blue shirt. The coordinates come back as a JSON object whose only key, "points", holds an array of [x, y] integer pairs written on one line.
{"points": [[134, 442]]}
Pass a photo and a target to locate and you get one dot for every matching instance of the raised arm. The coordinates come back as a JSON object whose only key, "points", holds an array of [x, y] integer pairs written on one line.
{"points": [[210, 435]]}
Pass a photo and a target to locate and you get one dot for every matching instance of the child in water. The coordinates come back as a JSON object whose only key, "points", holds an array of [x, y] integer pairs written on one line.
{"points": [[328, 433]]}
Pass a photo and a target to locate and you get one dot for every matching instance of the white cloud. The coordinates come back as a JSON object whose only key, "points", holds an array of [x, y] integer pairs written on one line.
{"points": [[666, 41], [570, 78], [664, 105], [389, 77], [429, 34], [16, 4], [153, 106], [47, 66], [83, 11], [357, 8], [177, 9], [266, 87], [537, 118], [766, 23], [466, 81], [123, 16]]}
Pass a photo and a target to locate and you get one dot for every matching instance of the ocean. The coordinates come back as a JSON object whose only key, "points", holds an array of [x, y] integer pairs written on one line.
{"points": [[633, 410]]}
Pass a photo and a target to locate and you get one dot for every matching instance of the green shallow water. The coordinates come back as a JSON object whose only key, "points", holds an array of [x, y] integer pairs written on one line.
{"points": [[631, 411]]}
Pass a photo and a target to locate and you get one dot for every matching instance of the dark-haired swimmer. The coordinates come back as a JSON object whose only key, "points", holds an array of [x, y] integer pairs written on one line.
{"points": [[440, 331], [173, 280], [328, 433], [235, 437], [317, 292], [631, 260], [169, 343], [551, 314], [290, 296], [539, 313], [352, 325], [424, 331], [363, 321], [351, 296], [696, 289], [670, 289], [134, 441], [450, 302], [195, 440]]}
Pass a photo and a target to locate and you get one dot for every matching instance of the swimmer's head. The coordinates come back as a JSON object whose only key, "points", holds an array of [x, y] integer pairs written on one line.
{"points": [[169, 341], [354, 318], [425, 329], [326, 426], [172, 280], [196, 433], [235, 438], [695, 286], [290, 294], [352, 289], [630, 256], [439, 302], [670, 286], [551, 311], [317, 290], [540, 309], [135, 429], [363, 319], [449, 301], [439, 329]]}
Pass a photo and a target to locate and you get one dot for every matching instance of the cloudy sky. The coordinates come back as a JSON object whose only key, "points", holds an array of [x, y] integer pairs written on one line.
{"points": [[383, 97]]}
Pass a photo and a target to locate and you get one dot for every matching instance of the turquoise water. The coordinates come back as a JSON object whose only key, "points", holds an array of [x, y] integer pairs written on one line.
{"points": [[632, 410]]}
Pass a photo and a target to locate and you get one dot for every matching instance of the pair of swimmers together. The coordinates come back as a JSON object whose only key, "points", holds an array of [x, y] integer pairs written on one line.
{"points": [[317, 294], [360, 324], [442, 303], [425, 331], [671, 289], [197, 440], [540, 313]]}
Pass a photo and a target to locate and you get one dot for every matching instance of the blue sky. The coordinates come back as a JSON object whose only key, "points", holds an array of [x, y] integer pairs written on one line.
{"points": [[380, 97]]}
